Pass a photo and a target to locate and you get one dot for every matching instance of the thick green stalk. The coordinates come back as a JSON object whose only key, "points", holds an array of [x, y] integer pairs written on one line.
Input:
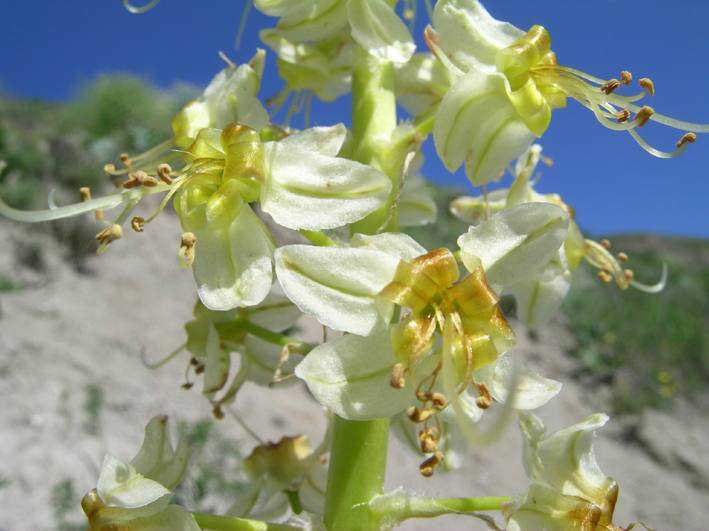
{"points": [[373, 120], [356, 474]]}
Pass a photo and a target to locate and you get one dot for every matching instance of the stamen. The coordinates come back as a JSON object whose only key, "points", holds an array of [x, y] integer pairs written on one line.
{"points": [[622, 257], [164, 171], [125, 159], [484, 400], [112, 233], [629, 275], [646, 83], [439, 400], [137, 224], [140, 178], [137, 10], [397, 376], [687, 138], [643, 115], [85, 195], [285, 355], [609, 86], [418, 416], [625, 78], [109, 168], [186, 253], [218, 413], [606, 244], [622, 116], [227, 60], [605, 277], [429, 464], [429, 438], [118, 183]]}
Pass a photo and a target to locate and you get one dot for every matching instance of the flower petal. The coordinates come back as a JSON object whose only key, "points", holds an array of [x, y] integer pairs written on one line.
{"points": [[119, 485], [156, 459], [538, 301], [352, 376], [380, 31], [515, 242], [232, 264], [532, 390], [337, 286], [476, 123], [308, 190], [396, 244], [469, 36], [316, 20]]}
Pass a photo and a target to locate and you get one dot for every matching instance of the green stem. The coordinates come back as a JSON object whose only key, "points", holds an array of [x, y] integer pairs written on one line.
{"points": [[222, 523], [271, 337], [407, 507], [317, 238], [373, 120], [356, 474]]}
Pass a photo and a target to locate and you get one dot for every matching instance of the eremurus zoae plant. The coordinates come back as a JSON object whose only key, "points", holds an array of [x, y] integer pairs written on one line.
{"points": [[425, 344]]}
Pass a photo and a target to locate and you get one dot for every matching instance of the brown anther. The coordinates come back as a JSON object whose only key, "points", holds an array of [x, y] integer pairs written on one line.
{"points": [[609, 86], [484, 400], [622, 257], [647, 84], [187, 385], [140, 178], [125, 159], [629, 275], [606, 244], [218, 413], [118, 183], [164, 171], [643, 115], [194, 361], [439, 400], [322, 459], [112, 233], [137, 224], [416, 415], [187, 249], [622, 116], [688, 138], [605, 277], [397, 377], [84, 194], [429, 464], [199, 369], [625, 78], [428, 439], [108, 168], [422, 395]]}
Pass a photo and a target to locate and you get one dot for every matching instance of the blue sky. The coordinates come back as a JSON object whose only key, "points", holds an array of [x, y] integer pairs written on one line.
{"points": [[49, 47]]}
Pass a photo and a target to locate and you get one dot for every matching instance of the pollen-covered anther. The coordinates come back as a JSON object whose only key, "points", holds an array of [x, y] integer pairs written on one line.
{"points": [[125, 159], [647, 84], [84, 194], [605, 277], [643, 115], [112, 233], [606, 244], [218, 413], [629, 275], [622, 116], [439, 400], [625, 78], [609, 86], [140, 178], [187, 385], [429, 464], [429, 438], [118, 183], [137, 224], [108, 168], [484, 400], [187, 249], [622, 257], [417, 416], [688, 138], [397, 376], [164, 171]]}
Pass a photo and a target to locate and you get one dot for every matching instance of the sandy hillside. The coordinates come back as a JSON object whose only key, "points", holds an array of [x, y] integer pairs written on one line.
{"points": [[68, 330]]}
